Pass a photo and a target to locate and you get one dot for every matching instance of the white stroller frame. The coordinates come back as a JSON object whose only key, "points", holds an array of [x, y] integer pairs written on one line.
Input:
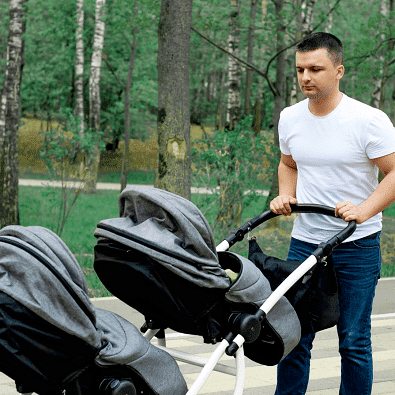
{"points": [[209, 365]]}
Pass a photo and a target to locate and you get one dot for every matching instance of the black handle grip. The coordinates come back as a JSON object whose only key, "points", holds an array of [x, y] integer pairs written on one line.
{"points": [[239, 234]]}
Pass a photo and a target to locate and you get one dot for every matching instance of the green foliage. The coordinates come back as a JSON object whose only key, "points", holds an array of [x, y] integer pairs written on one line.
{"points": [[48, 75], [237, 163], [64, 152], [63, 145]]}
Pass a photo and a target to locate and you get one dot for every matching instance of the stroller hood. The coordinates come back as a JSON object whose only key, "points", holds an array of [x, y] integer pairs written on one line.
{"points": [[41, 289], [171, 230], [38, 271]]}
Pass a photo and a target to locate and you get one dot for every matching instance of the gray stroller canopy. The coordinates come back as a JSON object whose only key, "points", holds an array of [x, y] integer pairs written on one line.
{"points": [[170, 229], [38, 270]]}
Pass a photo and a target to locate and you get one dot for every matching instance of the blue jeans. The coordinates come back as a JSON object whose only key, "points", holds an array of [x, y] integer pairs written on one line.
{"points": [[357, 265]]}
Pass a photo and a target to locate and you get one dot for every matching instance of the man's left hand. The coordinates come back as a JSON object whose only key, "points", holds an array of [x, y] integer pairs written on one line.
{"points": [[349, 212]]}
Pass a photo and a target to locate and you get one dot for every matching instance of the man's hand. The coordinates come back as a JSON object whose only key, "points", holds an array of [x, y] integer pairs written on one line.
{"points": [[281, 204], [349, 212]]}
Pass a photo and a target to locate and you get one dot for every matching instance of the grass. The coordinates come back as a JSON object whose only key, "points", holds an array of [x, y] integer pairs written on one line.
{"points": [[37, 208]]}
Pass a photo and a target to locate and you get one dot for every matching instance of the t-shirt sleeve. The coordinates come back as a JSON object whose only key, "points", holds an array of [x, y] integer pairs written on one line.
{"points": [[380, 136], [282, 136]]}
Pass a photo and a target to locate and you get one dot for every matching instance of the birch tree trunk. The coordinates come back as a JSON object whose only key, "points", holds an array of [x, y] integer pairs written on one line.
{"points": [[250, 73], [9, 116], [234, 70], [94, 94], [259, 108], [227, 204], [174, 167], [304, 21], [377, 98], [79, 68], [390, 47], [125, 161], [280, 87]]}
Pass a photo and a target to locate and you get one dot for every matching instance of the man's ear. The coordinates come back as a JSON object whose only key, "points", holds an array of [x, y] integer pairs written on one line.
{"points": [[340, 71]]}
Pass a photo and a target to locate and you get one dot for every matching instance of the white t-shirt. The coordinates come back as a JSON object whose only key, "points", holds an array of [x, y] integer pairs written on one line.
{"points": [[333, 155]]}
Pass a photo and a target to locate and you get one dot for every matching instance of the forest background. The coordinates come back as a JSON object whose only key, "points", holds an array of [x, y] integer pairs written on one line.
{"points": [[240, 75]]}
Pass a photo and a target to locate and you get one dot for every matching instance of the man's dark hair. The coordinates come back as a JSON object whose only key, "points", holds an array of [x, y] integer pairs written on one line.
{"points": [[323, 40]]}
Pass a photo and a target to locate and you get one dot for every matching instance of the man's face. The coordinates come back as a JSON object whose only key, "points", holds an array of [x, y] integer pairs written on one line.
{"points": [[317, 75]]}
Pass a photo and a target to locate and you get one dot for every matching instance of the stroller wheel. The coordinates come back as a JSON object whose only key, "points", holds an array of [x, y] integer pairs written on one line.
{"points": [[117, 387]]}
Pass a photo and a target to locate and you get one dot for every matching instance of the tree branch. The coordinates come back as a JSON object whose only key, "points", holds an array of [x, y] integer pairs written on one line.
{"points": [[328, 13], [104, 57], [296, 42], [371, 53], [249, 65]]}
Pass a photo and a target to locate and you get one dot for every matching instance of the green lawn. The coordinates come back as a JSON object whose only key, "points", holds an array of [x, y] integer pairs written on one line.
{"points": [[37, 208]]}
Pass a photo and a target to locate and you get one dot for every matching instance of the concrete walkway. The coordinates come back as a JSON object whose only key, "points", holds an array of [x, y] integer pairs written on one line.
{"points": [[325, 366]]}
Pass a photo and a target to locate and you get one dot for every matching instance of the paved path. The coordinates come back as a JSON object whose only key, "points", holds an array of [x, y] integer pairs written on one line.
{"points": [[325, 367], [116, 187]]}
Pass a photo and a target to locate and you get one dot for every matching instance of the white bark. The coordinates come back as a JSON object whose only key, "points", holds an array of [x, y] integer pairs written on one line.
{"points": [[377, 92], [234, 71], [79, 66], [94, 93], [305, 22], [94, 81], [307, 14], [10, 115]]}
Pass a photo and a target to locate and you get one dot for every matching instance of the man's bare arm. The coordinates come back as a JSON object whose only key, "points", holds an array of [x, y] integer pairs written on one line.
{"points": [[287, 176]]}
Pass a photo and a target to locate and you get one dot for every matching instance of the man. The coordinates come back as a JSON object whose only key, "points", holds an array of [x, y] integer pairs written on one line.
{"points": [[331, 149]]}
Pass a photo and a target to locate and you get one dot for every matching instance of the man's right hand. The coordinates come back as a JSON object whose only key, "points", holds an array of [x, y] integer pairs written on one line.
{"points": [[281, 204]]}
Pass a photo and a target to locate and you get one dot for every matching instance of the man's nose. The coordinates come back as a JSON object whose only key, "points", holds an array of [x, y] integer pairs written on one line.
{"points": [[306, 76]]}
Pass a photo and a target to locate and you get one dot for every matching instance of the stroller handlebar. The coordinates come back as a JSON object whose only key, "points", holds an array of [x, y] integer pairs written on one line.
{"points": [[239, 234]]}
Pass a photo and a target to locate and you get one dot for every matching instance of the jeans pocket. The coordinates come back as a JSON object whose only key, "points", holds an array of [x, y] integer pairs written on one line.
{"points": [[368, 243]]}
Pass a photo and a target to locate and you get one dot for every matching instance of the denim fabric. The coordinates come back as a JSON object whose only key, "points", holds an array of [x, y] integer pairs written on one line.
{"points": [[357, 265]]}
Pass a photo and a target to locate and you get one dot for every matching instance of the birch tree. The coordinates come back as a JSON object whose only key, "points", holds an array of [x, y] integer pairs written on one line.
{"points": [[388, 58], [226, 212], [250, 73], [174, 167], [377, 94], [125, 160], [304, 22], [94, 93], [10, 114], [234, 68], [79, 67], [280, 90]]}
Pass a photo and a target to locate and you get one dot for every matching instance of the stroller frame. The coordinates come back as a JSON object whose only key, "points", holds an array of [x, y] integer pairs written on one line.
{"points": [[233, 344]]}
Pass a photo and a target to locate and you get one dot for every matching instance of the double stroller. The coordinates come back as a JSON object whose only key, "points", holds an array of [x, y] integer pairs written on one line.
{"points": [[160, 258]]}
